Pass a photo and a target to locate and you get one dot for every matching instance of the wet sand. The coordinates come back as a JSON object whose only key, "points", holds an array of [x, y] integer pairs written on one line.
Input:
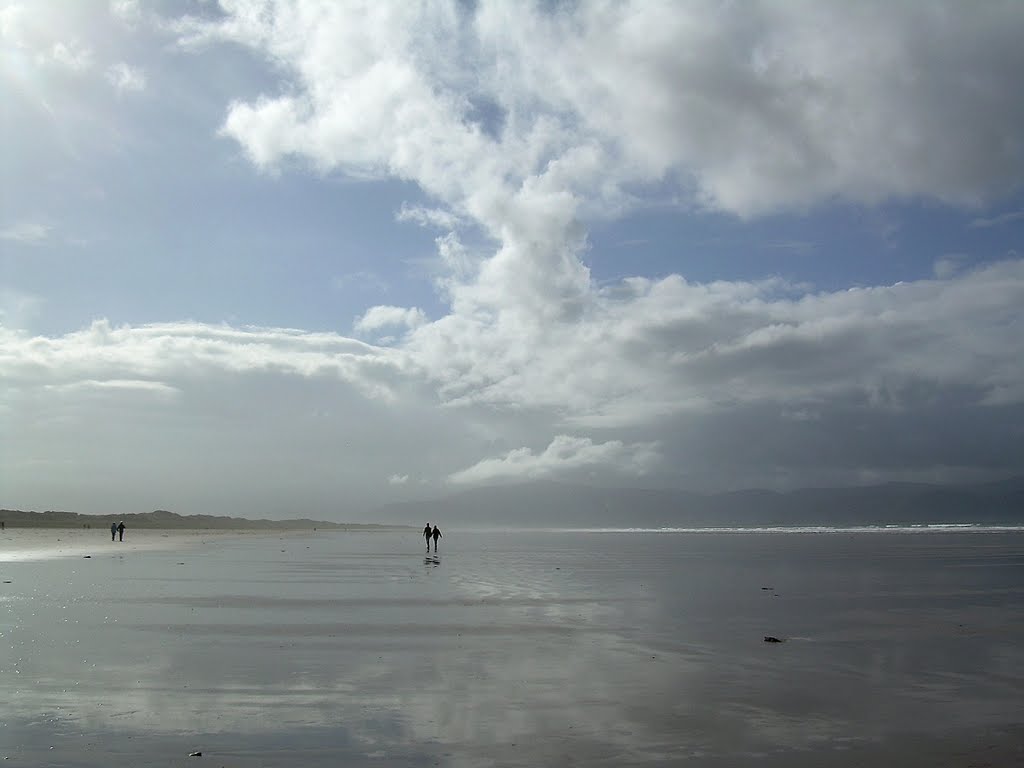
{"points": [[515, 649]]}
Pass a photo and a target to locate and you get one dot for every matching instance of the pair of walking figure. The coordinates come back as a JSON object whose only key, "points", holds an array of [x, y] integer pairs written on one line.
{"points": [[432, 533], [117, 529]]}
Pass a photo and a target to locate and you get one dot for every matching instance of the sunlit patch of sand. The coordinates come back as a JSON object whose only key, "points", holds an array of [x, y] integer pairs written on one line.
{"points": [[22, 544]]}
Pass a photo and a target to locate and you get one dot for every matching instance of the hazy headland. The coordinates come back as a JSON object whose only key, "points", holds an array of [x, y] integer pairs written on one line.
{"points": [[164, 520]]}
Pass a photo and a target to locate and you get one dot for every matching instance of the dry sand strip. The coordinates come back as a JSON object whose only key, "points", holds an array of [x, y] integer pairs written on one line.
{"points": [[20, 544]]}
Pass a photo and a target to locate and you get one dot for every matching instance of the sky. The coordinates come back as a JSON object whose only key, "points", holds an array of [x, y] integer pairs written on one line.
{"points": [[302, 258]]}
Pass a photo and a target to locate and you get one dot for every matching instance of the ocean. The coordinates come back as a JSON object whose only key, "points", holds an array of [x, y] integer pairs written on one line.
{"points": [[532, 648]]}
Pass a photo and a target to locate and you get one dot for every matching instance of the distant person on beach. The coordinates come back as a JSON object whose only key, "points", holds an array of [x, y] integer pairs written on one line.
{"points": [[113, 531], [426, 535], [436, 534], [120, 530]]}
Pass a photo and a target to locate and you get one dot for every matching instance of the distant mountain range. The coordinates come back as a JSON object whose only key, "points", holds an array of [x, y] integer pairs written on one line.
{"points": [[557, 505]]}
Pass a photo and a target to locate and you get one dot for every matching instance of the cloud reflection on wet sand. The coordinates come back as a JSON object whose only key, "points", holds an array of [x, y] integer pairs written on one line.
{"points": [[547, 651]]}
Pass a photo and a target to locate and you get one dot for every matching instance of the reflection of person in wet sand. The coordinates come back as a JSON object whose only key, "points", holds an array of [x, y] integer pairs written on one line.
{"points": [[436, 534], [120, 530], [426, 535]]}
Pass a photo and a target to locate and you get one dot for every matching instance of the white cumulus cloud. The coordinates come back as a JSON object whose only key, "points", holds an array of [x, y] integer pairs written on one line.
{"points": [[125, 77], [26, 232], [383, 316], [756, 107], [428, 217], [71, 56], [748, 109], [564, 454]]}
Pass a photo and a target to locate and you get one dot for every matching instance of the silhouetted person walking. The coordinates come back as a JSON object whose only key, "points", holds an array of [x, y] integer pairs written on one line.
{"points": [[436, 534], [426, 535], [113, 531], [120, 530]]}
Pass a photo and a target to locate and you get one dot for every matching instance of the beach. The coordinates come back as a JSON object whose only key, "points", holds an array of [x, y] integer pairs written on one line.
{"points": [[528, 648], [20, 544]]}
